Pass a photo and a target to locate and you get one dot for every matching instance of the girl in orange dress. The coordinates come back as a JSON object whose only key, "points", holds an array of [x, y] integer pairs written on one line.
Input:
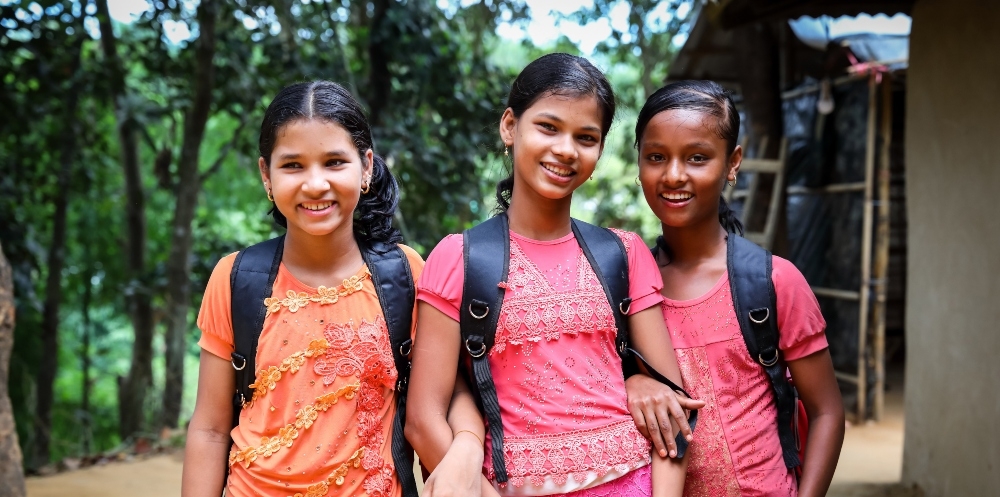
{"points": [[320, 418]]}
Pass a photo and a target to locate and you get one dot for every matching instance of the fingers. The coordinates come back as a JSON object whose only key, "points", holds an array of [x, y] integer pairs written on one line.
{"points": [[635, 409], [655, 433], [689, 404], [680, 417], [665, 427]]}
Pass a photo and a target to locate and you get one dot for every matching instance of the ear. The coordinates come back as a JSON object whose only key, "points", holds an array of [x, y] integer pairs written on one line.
{"points": [[733, 167], [369, 164], [508, 123], [265, 173]]}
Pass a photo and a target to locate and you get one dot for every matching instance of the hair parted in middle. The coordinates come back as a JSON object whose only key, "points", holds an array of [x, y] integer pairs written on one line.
{"points": [[331, 102], [556, 74]]}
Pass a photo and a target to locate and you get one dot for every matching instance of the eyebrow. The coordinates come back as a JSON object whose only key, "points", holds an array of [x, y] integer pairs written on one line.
{"points": [[293, 156], [559, 120]]}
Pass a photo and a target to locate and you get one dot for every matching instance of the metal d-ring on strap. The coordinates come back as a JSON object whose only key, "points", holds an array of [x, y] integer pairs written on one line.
{"points": [[768, 363], [767, 314], [625, 305], [478, 316], [475, 353], [233, 362]]}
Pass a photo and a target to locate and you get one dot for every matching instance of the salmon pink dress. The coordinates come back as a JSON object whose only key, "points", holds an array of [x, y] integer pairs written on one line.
{"points": [[320, 420], [736, 452], [558, 378]]}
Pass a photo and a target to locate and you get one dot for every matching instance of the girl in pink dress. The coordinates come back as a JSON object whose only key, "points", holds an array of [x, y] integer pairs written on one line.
{"points": [[686, 137], [566, 422]]}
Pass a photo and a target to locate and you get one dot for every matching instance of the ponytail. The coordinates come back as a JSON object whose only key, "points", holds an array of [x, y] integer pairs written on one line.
{"points": [[375, 210], [728, 218]]}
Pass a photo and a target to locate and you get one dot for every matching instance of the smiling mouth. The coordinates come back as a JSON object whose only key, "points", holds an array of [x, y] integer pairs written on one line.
{"points": [[676, 197], [562, 172], [316, 207]]}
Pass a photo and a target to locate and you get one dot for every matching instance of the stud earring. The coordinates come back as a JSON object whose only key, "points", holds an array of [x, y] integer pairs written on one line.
{"points": [[270, 197]]}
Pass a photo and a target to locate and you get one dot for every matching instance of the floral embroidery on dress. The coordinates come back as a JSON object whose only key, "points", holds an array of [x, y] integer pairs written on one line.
{"points": [[575, 453], [364, 353], [304, 419], [268, 378], [533, 310], [324, 296], [335, 478]]}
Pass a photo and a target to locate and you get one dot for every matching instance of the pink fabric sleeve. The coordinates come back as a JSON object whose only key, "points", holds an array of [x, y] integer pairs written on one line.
{"points": [[803, 329], [443, 278], [643, 274]]}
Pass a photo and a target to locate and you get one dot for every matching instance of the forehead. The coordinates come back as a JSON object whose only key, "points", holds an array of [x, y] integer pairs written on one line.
{"points": [[310, 133], [683, 124], [579, 110]]}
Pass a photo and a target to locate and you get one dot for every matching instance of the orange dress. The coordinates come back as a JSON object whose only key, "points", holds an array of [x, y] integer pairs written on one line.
{"points": [[320, 420]]}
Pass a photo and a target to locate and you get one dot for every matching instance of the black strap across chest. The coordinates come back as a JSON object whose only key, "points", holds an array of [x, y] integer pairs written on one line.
{"points": [[252, 280], [486, 259], [755, 302]]}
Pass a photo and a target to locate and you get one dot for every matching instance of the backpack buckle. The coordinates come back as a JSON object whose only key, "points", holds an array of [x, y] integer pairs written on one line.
{"points": [[768, 362], [625, 305], [767, 314], [478, 304], [475, 353], [237, 356]]}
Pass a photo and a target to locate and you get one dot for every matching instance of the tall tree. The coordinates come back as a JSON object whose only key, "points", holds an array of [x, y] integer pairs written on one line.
{"points": [[132, 393], [11, 471]]}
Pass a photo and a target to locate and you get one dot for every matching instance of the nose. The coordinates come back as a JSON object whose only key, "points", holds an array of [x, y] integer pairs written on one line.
{"points": [[565, 148], [316, 182], [675, 173]]}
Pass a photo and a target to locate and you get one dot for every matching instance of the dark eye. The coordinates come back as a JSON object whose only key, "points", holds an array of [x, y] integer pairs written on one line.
{"points": [[588, 138], [699, 158], [655, 158], [547, 126], [291, 165], [334, 162]]}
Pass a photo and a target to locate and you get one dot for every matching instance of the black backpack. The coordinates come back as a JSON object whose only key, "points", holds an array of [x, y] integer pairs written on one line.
{"points": [[485, 246], [756, 305], [251, 281]]}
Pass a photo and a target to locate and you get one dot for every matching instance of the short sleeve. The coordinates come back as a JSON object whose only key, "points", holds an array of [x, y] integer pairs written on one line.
{"points": [[644, 279], [441, 282], [215, 319], [803, 329], [416, 269]]}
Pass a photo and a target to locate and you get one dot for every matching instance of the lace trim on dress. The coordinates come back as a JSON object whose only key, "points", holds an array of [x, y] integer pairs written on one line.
{"points": [[336, 478], [618, 446], [324, 296], [268, 378], [534, 311]]}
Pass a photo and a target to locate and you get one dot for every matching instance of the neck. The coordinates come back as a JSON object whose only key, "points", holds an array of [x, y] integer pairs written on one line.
{"points": [[536, 217], [333, 253], [690, 245]]}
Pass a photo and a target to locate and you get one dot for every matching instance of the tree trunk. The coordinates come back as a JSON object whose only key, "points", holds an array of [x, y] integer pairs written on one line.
{"points": [[132, 390], [379, 76], [49, 363], [11, 469], [188, 187]]}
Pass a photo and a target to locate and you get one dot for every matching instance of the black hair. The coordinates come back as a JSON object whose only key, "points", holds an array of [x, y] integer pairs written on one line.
{"points": [[331, 102], [556, 74], [702, 96]]}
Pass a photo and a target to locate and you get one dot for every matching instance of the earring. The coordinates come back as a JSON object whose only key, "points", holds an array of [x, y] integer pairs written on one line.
{"points": [[506, 151], [591, 178], [637, 182], [733, 182], [270, 197], [366, 187]]}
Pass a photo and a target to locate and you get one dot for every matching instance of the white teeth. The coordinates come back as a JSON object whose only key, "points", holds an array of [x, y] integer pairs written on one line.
{"points": [[558, 171], [317, 207], [676, 196]]}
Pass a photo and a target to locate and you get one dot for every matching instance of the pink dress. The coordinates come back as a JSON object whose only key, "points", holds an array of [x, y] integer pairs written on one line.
{"points": [[557, 375], [735, 452]]}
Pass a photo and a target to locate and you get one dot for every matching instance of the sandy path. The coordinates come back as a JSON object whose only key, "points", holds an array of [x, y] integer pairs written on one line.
{"points": [[870, 463]]}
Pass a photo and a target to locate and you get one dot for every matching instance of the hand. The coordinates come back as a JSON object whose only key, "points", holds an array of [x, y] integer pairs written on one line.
{"points": [[655, 408], [459, 474]]}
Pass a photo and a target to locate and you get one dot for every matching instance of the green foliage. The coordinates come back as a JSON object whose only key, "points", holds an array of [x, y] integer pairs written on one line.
{"points": [[433, 78]]}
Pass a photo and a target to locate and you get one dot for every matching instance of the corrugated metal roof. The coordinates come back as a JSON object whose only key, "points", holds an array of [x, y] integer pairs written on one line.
{"points": [[733, 13]]}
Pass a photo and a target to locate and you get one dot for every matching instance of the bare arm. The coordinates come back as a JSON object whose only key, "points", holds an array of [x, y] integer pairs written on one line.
{"points": [[208, 439], [655, 407], [820, 394], [439, 406]]}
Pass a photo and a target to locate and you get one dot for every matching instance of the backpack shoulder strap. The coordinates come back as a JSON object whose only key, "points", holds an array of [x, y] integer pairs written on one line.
{"points": [[250, 281], [393, 282], [486, 259], [755, 302], [606, 254]]}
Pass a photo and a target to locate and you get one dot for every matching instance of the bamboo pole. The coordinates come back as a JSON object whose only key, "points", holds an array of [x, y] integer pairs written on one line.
{"points": [[866, 250], [881, 268]]}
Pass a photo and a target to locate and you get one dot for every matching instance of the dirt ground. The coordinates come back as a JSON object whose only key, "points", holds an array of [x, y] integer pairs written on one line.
{"points": [[870, 466]]}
